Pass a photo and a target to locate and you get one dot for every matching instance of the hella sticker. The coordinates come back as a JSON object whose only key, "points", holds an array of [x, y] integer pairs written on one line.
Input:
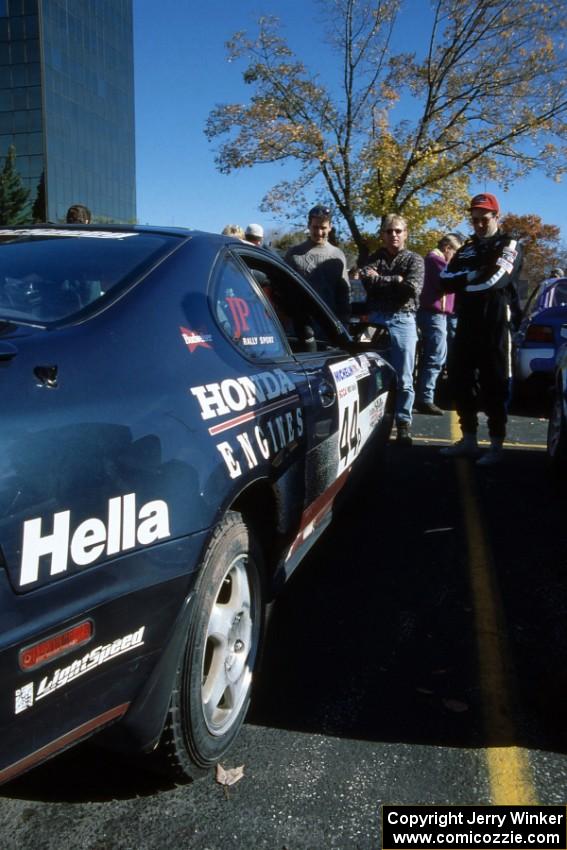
{"points": [[57, 543]]}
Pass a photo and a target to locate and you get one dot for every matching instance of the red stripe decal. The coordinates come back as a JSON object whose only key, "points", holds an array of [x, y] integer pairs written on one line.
{"points": [[253, 414], [61, 743], [319, 507]]}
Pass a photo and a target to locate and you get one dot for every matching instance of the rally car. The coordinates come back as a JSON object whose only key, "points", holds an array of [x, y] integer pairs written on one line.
{"points": [[180, 416]]}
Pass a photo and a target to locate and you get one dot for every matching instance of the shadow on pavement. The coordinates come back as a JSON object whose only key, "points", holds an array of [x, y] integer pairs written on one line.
{"points": [[87, 773], [375, 637]]}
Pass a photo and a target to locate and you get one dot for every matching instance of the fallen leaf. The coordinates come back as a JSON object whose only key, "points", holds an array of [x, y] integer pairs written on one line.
{"points": [[455, 705], [229, 777]]}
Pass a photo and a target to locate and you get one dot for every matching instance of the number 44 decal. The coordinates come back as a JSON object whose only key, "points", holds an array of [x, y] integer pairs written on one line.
{"points": [[350, 436]]}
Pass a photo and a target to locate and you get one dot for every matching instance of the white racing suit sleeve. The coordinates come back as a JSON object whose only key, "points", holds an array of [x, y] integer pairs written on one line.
{"points": [[507, 264]]}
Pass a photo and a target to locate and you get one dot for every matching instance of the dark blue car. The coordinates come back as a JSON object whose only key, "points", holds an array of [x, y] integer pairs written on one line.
{"points": [[542, 331], [557, 425], [180, 413]]}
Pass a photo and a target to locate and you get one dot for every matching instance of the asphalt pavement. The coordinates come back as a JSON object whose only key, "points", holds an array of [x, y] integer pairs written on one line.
{"points": [[418, 656]]}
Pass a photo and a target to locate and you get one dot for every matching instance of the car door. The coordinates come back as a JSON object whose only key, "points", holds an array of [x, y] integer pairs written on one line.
{"points": [[264, 434], [347, 393]]}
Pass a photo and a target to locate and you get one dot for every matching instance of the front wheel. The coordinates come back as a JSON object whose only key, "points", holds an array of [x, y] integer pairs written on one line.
{"points": [[213, 681]]}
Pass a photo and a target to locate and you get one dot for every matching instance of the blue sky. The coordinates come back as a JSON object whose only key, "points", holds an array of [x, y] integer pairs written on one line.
{"points": [[181, 72]]}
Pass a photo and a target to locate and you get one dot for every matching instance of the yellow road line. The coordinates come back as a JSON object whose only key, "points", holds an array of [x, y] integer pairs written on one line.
{"points": [[417, 438], [509, 770]]}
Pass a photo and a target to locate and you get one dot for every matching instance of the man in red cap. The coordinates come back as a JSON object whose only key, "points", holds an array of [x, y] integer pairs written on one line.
{"points": [[482, 274]]}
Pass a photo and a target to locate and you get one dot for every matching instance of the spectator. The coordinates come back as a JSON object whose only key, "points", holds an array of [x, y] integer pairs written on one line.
{"points": [[434, 307], [482, 274], [233, 230], [254, 233], [557, 272], [78, 214], [322, 265], [393, 280]]}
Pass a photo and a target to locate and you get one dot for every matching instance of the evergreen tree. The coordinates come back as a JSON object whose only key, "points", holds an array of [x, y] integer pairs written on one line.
{"points": [[14, 197], [39, 213]]}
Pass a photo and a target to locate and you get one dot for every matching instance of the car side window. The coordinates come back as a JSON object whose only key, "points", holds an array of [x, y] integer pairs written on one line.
{"points": [[560, 295], [307, 325], [533, 302], [243, 315]]}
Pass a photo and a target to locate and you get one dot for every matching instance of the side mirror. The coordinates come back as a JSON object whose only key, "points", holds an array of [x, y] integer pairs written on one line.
{"points": [[370, 335]]}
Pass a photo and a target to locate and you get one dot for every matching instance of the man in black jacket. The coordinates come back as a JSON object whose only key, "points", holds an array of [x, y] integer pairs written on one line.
{"points": [[482, 274], [393, 279]]}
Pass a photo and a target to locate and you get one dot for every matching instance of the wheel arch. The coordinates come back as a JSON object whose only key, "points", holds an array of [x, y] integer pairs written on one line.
{"points": [[141, 728], [258, 506]]}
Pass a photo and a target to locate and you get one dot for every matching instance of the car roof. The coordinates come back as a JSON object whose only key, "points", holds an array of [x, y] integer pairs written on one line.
{"points": [[184, 232], [552, 282], [128, 228]]}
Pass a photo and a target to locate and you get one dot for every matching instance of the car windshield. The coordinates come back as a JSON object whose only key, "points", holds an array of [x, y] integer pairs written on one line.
{"points": [[48, 275]]}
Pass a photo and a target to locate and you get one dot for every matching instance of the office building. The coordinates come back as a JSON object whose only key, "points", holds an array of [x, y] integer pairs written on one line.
{"points": [[67, 103]]}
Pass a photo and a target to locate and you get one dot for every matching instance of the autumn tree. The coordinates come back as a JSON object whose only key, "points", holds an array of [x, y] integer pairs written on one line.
{"points": [[541, 244], [486, 95], [280, 242], [14, 197]]}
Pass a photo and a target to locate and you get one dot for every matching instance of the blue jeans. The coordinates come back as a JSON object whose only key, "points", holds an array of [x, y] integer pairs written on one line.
{"points": [[401, 356], [433, 328]]}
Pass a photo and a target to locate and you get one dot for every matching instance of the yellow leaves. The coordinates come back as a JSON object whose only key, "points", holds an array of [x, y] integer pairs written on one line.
{"points": [[492, 85], [388, 93]]}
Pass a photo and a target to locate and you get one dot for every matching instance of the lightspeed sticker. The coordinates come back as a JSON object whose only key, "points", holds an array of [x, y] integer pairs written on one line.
{"points": [[28, 695]]}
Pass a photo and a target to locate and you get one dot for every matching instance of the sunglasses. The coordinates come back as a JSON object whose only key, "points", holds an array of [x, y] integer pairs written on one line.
{"points": [[397, 230], [319, 211]]}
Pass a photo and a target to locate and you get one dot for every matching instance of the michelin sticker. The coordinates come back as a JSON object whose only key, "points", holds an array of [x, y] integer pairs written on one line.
{"points": [[355, 425], [26, 696]]}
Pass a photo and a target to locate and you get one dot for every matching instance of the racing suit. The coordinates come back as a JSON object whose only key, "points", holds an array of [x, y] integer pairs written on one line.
{"points": [[482, 274]]}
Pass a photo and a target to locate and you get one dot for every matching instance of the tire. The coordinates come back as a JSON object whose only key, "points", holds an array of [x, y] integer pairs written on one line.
{"points": [[212, 688], [557, 436]]}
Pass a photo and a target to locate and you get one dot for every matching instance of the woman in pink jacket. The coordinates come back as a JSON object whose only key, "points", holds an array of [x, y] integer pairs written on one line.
{"points": [[434, 308]]}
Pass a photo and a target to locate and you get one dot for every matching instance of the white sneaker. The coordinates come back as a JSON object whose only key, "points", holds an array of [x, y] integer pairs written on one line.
{"points": [[462, 448], [492, 457]]}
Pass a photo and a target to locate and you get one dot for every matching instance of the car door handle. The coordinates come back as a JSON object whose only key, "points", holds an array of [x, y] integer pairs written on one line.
{"points": [[46, 375], [7, 350], [327, 394]]}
